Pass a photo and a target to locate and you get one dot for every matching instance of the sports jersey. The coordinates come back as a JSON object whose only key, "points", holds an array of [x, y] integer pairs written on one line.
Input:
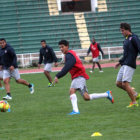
{"points": [[47, 54], [95, 48], [131, 47], [8, 57], [73, 65]]}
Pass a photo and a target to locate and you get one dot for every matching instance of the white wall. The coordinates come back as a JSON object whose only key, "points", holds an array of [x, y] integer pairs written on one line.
{"points": [[59, 5], [94, 5]]}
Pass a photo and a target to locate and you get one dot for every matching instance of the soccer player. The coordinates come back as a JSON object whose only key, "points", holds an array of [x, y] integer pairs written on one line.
{"points": [[95, 48], [49, 57], [131, 47], [10, 68], [78, 74]]}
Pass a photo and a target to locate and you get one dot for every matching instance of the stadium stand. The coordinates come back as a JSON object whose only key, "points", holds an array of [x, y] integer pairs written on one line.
{"points": [[53, 8], [25, 22], [102, 6], [105, 25], [82, 30]]}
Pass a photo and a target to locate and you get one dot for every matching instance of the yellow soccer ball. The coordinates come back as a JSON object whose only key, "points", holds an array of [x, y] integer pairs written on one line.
{"points": [[4, 106]]}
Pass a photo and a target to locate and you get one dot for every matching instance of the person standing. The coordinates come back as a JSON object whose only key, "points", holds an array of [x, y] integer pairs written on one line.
{"points": [[10, 68], [47, 54], [95, 48], [131, 47], [79, 76]]}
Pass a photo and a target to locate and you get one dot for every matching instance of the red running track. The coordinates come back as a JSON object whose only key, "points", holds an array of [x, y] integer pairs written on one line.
{"points": [[59, 68]]}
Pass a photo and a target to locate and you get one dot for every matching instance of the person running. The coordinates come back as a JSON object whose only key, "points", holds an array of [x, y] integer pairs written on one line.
{"points": [[95, 48], [47, 54], [131, 47], [1, 71], [10, 68], [79, 76]]}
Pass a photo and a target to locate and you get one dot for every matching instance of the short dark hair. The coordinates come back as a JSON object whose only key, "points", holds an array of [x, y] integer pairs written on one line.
{"points": [[125, 26], [3, 39], [43, 41], [64, 42]]}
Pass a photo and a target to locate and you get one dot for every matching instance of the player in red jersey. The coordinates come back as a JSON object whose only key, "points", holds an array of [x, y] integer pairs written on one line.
{"points": [[78, 75], [95, 49]]}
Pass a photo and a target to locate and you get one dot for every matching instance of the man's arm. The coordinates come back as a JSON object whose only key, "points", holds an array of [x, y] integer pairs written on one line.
{"points": [[53, 55], [99, 47], [125, 54], [40, 58], [12, 53], [89, 50], [136, 43], [69, 63]]}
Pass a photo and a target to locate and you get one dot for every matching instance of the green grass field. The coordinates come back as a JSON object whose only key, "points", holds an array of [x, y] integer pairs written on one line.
{"points": [[43, 115]]}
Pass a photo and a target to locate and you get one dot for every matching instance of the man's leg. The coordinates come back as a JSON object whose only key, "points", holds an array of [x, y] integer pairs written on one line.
{"points": [[7, 88], [73, 99], [47, 70], [99, 66], [15, 74], [93, 96], [47, 74], [1, 86], [22, 81], [93, 66], [31, 86], [126, 86], [1, 79], [119, 84], [124, 77]]}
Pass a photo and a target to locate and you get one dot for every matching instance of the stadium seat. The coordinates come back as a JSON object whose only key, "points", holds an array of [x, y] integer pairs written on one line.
{"points": [[25, 22]]}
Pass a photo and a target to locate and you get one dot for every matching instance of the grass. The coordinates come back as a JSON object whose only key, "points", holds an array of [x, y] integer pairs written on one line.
{"points": [[43, 115]]}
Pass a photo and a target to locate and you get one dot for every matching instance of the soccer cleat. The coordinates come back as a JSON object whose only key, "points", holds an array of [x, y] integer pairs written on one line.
{"points": [[2, 88], [74, 113], [7, 97], [32, 89], [91, 71], [51, 84], [110, 97], [132, 105], [101, 71], [137, 97], [9, 110]]}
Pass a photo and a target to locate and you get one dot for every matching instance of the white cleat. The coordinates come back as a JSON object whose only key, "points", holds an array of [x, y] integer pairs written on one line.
{"points": [[101, 71], [91, 71], [7, 97], [32, 89]]}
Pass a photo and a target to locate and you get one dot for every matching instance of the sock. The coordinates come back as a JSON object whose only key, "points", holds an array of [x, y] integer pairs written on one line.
{"points": [[9, 94], [97, 95], [29, 85], [73, 99]]}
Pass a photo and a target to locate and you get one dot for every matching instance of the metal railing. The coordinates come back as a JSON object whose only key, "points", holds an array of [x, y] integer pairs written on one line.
{"points": [[27, 59]]}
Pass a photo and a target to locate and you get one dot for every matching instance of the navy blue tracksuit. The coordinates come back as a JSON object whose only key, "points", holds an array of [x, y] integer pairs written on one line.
{"points": [[47, 54], [131, 46], [8, 57]]}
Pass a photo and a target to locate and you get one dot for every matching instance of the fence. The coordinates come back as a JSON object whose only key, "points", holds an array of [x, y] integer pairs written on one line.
{"points": [[27, 59]]}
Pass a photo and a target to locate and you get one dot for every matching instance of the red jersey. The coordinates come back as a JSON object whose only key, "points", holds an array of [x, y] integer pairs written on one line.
{"points": [[78, 69], [94, 50]]}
